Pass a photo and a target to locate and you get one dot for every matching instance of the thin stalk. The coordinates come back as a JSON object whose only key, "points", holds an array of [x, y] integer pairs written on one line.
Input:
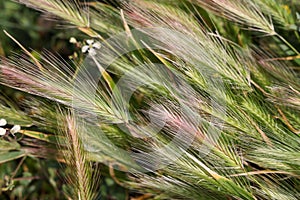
{"points": [[287, 43]]}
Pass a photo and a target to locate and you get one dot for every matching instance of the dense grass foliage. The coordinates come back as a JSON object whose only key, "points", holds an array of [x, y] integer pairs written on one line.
{"points": [[192, 99]]}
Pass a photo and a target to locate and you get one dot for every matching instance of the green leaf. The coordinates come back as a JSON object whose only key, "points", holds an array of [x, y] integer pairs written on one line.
{"points": [[6, 146], [44, 137], [12, 155]]}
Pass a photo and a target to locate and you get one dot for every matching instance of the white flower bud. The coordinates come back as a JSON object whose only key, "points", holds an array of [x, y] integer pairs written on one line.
{"points": [[2, 131], [15, 129], [3, 122], [73, 40]]}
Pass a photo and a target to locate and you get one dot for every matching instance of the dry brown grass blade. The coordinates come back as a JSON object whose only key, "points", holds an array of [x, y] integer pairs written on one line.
{"points": [[287, 123], [25, 50]]}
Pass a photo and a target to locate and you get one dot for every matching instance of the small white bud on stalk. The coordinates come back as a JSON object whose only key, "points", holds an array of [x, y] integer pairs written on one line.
{"points": [[3, 122], [73, 40], [15, 129], [2, 131]]}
